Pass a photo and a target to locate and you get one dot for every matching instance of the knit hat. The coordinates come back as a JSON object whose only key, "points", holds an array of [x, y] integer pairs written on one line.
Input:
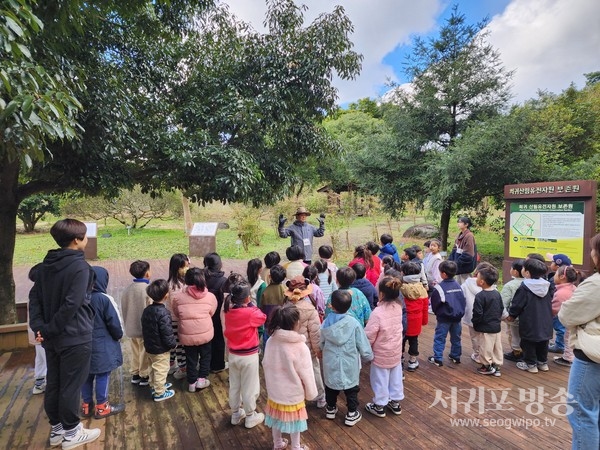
{"points": [[298, 286], [559, 259]]}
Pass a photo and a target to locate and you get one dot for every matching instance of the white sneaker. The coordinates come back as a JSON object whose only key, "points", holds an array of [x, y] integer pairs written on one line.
{"points": [[180, 373], [39, 387], [321, 402], [56, 438], [202, 383], [254, 419], [82, 436], [237, 417]]}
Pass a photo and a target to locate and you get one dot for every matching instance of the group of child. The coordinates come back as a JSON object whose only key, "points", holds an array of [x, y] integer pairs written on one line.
{"points": [[305, 314]]}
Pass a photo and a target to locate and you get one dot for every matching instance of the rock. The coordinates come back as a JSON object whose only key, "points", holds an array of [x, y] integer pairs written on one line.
{"points": [[106, 235], [223, 226], [423, 231]]}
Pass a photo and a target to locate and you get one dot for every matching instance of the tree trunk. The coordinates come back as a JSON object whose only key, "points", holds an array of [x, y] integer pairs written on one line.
{"points": [[8, 225], [444, 225], [187, 214]]}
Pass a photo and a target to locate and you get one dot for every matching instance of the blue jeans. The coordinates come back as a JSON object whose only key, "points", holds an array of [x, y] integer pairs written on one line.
{"points": [[102, 382], [559, 341], [584, 387], [439, 339]]}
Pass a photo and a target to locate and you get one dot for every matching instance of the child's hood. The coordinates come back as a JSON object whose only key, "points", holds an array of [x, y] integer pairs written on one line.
{"points": [[288, 336], [341, 331], [412, 278], [389, 248], [538, 286], [470, 285], [193, 291]]}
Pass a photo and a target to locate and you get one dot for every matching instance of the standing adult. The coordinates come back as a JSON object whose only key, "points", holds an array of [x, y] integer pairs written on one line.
{"points": [[301, 232], [463, 252], [62, 319], [581, 316]]}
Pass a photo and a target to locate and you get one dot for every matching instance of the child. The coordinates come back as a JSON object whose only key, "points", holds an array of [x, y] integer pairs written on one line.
{"points": [[512, 328], [532, 304], [257, 284], [193, 308], [488, 313], [317, 298], [40, 368], [364, 286], [326, 253], [360, 308], [417, 303], [295, 265], [564, 281], [158, 338], [178, 266], [133, 301], [409, 254], [271, 259], [558, 260], [470, 289], [241, 320], [387, 248], [326, 278], [215, 283], [288, 377], [448, 304], [343, 343], [384, 332], [106, 350], [273, 295], [298, 293], [63, 324], [432, 263], [364, 256]]}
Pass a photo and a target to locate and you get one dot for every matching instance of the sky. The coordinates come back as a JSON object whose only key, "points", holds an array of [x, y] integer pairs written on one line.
{"points": [[548, 43]]}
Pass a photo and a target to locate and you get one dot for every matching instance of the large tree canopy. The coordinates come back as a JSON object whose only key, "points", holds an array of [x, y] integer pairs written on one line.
{"points": [[168, 94]]}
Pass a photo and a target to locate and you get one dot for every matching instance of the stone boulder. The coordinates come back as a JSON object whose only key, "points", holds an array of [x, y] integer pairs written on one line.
{"points": [[422, 231]]}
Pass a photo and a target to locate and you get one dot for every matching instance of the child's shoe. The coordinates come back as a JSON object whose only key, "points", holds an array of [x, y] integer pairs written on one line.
{"points": [[144, 381], [352, 418], [543, 367], [562, 361], [532, 368], [394, 407], [164, 396], [238, 416], [283, 443], [486, 370], [57, 435], [475, 357], [497, 372], [202, 383], [39, 386], [167, 386], [330, 412], [514, 356], [254, 419], [106, 409], [180, 373], [555, 349], [412, 366], [376, 410], [321, 402], [80, 436], [173, 368], [87, 409], [455, 360], [436, 362], [135, 379]]}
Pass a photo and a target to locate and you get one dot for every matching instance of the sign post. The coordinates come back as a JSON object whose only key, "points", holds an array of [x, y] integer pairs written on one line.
{"points": [[203, 238], [552, 217], [91, 249]]}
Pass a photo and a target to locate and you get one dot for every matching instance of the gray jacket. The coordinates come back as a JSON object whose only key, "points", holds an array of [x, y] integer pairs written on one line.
{"points": [[302, 234]]}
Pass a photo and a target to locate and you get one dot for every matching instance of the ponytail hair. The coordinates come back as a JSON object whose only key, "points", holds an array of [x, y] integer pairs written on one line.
{"points": [[284, 317], [195, 277], [238, 294], [389, 287], [321, 266], [570, 273]]}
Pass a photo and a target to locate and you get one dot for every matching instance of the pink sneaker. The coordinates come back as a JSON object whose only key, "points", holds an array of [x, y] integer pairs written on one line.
{"points": [[202, 383]]}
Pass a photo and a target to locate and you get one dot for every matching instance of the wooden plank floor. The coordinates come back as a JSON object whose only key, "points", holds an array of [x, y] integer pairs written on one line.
{"points": [[510, 412]]}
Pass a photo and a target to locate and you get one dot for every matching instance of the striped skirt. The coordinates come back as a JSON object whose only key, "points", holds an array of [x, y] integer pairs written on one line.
{"points": [[286, 418]]}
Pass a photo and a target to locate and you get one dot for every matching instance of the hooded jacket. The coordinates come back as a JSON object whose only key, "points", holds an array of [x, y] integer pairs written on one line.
{"points": [[194, 309], [365, 286], [532, 304], [417, 304], [309, 325], [487, 311], [463, 252], [448, 301], [470, 289], [302, 234], [391, 250], [384, 332], [106, 348], [59, 301], [344, 343]]}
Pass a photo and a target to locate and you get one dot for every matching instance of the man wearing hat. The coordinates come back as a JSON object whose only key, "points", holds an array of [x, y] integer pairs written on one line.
{"points": [[558, 260], [302, 233]]}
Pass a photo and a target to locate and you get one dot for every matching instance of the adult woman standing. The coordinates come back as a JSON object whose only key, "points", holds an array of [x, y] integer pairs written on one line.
{"points": [[581, 315], [215, 279], [464, 250]]}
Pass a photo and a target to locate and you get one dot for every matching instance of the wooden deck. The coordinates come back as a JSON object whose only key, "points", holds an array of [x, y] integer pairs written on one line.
{"points": [[510, 412]]}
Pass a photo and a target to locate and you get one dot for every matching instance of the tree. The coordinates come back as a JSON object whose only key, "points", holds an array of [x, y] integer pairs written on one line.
{"points": [[169, 94], [457, 80], [32, 209]]}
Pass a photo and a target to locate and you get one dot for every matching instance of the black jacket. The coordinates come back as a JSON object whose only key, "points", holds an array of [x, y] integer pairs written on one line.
{"points": [[59, 301], [487, 311], [157, 329], [533, 306]]}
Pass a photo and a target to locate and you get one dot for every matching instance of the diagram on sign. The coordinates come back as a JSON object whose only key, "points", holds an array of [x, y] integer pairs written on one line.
{"points": [[524, 225]]}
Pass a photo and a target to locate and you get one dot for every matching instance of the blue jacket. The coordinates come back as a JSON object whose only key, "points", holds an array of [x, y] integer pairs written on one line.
{"points": [[344, 343], [389, 249], [302, 234], [106, 348], [448, 301], [365, 286]]}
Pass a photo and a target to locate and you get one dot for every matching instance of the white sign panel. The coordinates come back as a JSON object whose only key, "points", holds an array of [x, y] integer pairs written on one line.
{"points": [[92, 229], [204, 229]]}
